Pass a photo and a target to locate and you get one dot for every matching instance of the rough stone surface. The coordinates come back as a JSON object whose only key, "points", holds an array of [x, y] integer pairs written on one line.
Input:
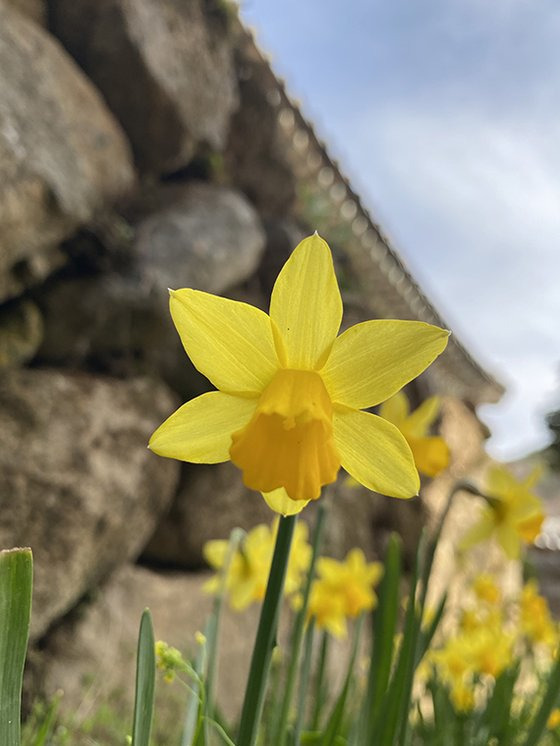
{"points": [[21, 332], [258, 164], [202, 236], [78, 484], [194, 235], [62, 156], [34, 9], [164, 66]]}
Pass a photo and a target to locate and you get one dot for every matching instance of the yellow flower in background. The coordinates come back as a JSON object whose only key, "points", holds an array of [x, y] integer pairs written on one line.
{"points": [[485, 589], [343, 590], [535, 619], [250, 564], [431, 452], [288, 409], [553, 721], [514, 515]]}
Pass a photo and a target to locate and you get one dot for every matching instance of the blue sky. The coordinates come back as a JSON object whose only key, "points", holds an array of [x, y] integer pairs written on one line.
{"points": [[445, 114]]}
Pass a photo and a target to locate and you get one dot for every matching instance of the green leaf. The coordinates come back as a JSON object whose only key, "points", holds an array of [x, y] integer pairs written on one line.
{"points": [[548, 703], [16, 583], [145, 682], [384, 627], [335, 721]]}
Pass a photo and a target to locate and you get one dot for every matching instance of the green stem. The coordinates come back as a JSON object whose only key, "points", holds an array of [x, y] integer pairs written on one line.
{"points": [[299, 628], [304, 680], [262, 651], [320, 681]]}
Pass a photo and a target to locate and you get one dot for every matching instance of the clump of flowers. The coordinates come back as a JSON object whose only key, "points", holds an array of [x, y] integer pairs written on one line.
{"points": [[170, 661], [513, 514], [492, 635], [343, 590], [431, 452], [291, 392], [247, 574]]}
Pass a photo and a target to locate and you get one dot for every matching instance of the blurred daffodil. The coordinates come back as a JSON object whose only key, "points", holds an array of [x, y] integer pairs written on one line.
{"points": [[535, 619], [513, 514], [288, 409], [248, 571], [431, 452], [343, 590]]}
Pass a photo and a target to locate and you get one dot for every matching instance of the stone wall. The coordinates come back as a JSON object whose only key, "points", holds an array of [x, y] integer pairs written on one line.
{"points": [[137, 152]]}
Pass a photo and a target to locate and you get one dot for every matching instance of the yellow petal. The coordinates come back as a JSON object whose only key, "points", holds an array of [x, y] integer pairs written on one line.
{"points": [[419, 422], [373, 360], [229, 342], [305, 306], [501, 483], [279, 501], [395, 409], [375, 453], [530, 528], [431, 455], [480, 531], [509, 540], [200, 431], [215, 552]]}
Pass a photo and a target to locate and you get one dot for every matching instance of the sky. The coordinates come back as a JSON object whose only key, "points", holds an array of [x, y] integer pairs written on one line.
{"points": [[445, 115]]}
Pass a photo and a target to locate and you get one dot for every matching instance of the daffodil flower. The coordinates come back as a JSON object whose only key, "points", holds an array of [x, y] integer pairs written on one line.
{"points": [[343, 590], [431, 452], [288, 409], [250, 564], [514, 514]]}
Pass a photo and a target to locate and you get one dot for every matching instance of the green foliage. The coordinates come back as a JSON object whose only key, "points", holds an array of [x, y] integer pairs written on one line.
{"points": [[16, 580]]}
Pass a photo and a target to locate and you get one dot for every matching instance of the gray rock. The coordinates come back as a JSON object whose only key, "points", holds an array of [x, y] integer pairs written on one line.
{"points": [[194, 235], [203, 236], [78, 484], [62, 156], [34, 9], [21, 332], [164, 66]]}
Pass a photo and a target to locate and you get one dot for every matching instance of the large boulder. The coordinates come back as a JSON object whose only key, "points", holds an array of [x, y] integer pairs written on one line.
{"points": [[194, 235], [164, 66], [62, 155], [78, 484]]}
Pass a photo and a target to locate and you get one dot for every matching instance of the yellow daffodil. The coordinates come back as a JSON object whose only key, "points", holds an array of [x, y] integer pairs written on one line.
{"points": [[514, 513], [342, 590], [288, 409], [553, 722], [485, 589], [535, 619], [250, 564], [431, 452]]}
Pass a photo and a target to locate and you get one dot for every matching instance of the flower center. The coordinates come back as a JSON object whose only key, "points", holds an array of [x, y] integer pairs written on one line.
{"points": [[289, 440]]}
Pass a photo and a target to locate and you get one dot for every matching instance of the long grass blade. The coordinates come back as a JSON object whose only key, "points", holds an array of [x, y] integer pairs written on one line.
{"points": [[145, 682], [16, 582]]}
